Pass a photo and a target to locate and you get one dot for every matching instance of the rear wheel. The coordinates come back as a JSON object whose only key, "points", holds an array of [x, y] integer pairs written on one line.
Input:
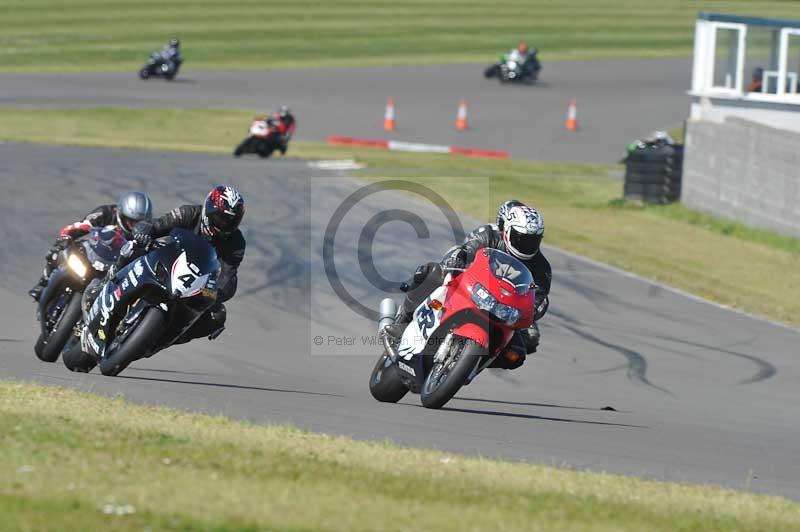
{"points": [[144, 73], [135, 346], [450, 373], [75, 359], [48, 349], [384, 383]]}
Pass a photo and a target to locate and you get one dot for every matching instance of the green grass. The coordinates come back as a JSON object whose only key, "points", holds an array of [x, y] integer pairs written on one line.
{"points": [[76, 461], [749, 269], [51, 35]]}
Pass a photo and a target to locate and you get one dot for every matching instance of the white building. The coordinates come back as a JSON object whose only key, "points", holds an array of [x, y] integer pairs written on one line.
{"points": [[742, 156]]}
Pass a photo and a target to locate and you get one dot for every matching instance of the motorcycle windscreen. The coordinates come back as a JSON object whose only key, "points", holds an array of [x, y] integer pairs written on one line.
{"points": [[102, 246], [506, 268]]}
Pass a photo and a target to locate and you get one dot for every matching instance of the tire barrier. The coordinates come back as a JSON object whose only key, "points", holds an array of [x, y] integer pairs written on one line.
{"points": [[653, 173]]}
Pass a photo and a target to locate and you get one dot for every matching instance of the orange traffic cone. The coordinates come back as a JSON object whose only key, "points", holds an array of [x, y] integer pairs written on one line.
{"points": [[388, 117], [461, 118], [572, 116]]}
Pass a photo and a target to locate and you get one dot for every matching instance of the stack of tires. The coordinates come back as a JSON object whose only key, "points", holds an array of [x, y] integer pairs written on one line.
{"points": [[653, 173]]}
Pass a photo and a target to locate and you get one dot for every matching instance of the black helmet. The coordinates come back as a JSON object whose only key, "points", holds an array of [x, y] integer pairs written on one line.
{"points": [[502, 212], [222, 213], [174, 42], [133, 207]]}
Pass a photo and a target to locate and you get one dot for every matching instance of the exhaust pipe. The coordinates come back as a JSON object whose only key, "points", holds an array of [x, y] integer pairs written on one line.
{"points": [[387, 312]]}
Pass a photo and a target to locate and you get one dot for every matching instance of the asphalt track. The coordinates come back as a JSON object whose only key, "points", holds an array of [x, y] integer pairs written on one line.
{"points": [[618, 101], [702, 394]]}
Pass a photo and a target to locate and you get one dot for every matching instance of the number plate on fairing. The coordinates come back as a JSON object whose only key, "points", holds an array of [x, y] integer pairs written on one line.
{"points": [[185, 278]]}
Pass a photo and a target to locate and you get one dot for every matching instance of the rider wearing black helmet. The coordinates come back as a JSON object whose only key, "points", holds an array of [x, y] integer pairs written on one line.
{"points": [[217, 219], [518, 232], [131, 207]]}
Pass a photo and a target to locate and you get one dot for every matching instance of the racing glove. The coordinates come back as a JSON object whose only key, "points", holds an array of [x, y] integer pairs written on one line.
{"points": [[455, 258], [143, 234]]}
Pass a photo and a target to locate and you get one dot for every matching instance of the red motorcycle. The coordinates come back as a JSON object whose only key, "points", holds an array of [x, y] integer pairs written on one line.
{"points": [[264, 138], [457, 332]]}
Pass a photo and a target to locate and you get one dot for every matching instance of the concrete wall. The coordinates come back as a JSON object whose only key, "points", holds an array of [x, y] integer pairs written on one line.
{"points": [[745, 171]]}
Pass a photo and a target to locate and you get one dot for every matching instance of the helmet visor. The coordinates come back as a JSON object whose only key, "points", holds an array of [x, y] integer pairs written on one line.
{"points": [[127, 223], [525, 244], [223, 222]]}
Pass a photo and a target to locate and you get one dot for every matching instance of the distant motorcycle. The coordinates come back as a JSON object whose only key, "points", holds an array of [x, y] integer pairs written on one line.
{"points": [[264, 138], [79, 263], [154, 300], [457, 332], [512, 70], [160, 66]]}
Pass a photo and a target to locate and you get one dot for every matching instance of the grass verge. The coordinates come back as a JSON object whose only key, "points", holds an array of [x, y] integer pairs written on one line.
{"points": [[727, 262], [73, 460], [44, 35]]}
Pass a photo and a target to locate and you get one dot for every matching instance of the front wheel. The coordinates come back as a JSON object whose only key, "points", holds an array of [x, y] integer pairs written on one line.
{"points": [[448, 375], [48, 349], [136, 344], [242, 147], [384, 383]]}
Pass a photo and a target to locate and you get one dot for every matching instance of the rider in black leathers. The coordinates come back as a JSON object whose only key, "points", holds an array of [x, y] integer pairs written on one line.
{"points": [[430, 276], [172, 53], [217, 220], [131, 208]]}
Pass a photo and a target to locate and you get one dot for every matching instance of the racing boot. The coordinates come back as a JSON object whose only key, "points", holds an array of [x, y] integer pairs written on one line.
{"points": [[401, 321], [51, 261], [36, 291]]}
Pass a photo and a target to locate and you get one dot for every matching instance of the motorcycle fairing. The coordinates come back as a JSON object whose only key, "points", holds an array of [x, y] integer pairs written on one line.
{"points": [[259, 128], [424, 323]]}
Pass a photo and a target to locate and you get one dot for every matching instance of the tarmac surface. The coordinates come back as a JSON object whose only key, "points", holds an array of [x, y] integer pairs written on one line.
{"points": [[618, 101], [700, 393]]}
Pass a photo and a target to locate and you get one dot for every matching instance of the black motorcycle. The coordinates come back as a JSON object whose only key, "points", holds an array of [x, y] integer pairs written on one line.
{"points": [[511, 70], [263, 138], [153, 300], [82, 261], [159, 66]]}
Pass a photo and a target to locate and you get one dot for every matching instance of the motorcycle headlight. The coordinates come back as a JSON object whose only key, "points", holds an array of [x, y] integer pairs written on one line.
{"points": [[484, 300], [507, 314], [77, 266]]}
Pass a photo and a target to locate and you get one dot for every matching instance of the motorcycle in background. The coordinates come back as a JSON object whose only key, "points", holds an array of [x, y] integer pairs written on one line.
{"points": [[513, 69], [263, 139], [457, 332], [79, 263], [153, 300], [159, 66]]}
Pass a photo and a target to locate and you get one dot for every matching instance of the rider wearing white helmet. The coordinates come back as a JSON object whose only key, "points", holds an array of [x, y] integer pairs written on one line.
{"points": [[518, 232]]}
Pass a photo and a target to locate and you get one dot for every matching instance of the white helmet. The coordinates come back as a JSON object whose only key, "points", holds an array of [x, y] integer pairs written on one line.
{"points": [[523, 231]]}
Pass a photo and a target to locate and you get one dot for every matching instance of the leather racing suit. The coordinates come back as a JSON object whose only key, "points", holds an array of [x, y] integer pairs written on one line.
{"points": [[430, 276]]}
